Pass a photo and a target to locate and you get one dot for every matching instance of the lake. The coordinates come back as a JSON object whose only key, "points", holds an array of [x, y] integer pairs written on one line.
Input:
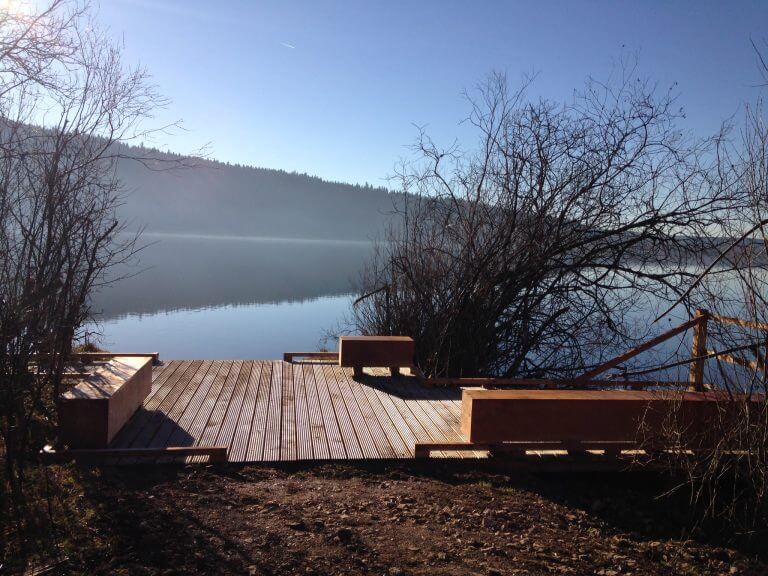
{"points": [[222, 297]]}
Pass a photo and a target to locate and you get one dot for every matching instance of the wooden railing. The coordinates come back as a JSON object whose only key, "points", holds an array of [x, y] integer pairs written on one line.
{"points": [[700, 353]]}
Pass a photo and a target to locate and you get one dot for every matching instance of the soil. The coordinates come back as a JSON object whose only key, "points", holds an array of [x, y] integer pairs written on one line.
{"points": [[392, 519]]}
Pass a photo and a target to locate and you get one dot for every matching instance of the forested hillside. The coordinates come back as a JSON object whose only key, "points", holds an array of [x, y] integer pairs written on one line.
{"points": [[223, 199]]}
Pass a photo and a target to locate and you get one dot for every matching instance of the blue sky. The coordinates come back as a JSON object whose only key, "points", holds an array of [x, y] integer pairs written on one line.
{"points": [[334, 88]]}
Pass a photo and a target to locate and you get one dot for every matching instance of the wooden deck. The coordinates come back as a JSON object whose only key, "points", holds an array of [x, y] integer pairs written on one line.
{"points": [[270, 411]]}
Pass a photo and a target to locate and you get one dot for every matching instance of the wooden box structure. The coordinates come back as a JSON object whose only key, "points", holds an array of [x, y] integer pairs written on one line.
{"points": [[93, 411], [595, 418], [393, 352]]}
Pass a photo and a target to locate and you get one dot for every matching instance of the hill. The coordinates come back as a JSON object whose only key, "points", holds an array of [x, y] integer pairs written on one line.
{"points": [[215, 198]]}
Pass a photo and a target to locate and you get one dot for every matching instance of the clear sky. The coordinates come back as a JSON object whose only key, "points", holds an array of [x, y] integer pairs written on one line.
{"points": [[334, 88]]}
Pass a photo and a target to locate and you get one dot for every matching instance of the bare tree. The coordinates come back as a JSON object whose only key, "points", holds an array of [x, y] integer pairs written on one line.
{"points": [[67, 101], [729, 480], [528, 255]]}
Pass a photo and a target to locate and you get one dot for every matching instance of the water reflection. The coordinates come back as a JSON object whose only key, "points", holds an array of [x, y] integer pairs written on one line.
{"points": [[223, 297], [256, 331], [189, 272]]}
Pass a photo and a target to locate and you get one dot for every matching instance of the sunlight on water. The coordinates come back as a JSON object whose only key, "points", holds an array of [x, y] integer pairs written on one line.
{"points": [[258, 331]]}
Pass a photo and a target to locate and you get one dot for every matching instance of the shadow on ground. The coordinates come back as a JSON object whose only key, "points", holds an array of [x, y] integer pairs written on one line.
{"points": [[387, 518]]}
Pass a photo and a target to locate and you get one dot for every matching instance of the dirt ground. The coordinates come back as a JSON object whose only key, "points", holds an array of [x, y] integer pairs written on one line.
{"points": [[392, 519]]}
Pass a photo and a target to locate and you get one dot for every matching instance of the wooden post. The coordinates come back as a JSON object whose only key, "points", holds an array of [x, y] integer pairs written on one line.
{"points": [[698, 350]]}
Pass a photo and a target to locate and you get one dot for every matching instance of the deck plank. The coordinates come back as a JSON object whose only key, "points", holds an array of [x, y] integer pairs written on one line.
{"points": [[269, 411], [338, 450], [211, 398], [170, 424], [160, 405], [226, 435], [274, 415], [411, 418], [374, 426], [288, 414], [134, 426], [241, 444], [399, 435], [318, 430], [303, 423], [259, 422], [369, 446], [218, 413], [348, 435], [422, 410]]}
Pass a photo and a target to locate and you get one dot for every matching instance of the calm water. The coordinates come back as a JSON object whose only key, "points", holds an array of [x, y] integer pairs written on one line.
{"points": [[255, 298], [224, 297]]}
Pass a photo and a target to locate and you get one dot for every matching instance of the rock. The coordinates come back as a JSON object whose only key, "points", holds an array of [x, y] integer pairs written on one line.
{"points": [[344, 535], [297, 526]]}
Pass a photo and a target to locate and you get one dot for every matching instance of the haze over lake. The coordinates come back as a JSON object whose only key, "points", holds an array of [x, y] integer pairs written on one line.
{"points": [[220, 297]]}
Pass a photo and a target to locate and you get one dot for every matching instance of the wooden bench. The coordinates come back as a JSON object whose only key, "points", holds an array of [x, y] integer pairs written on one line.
{"points": [[594, 419], [93, 411], [393, 352]]}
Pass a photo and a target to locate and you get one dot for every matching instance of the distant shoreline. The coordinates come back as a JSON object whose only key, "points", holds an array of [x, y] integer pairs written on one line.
{"points": [[237, 238]]}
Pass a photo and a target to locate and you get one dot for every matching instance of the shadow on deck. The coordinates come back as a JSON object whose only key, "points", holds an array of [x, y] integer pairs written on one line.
{"points": [[274, 411]]}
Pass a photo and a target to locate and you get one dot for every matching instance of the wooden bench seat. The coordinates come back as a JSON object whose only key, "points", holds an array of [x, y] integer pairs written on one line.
{"points": [[393, 352], [581, 418], [93, 411]]}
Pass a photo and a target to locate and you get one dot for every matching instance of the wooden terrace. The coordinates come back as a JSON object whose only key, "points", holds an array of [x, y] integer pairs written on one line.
{"points": [[277, 411], [331, 406]]}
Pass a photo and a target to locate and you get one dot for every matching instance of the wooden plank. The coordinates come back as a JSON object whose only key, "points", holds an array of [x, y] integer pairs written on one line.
{"points": [[333, 427], [448, 403], [348, 435], [158, 406], [172, 426], [288, 415], [393, 427], [368, 445], [495, 416], [291, 356], [303, 424], [317, 426], [158, 372], [200, 421], [383, 446], [435, 414], [184, 434], [739, 322], [226, 435], [755, 366], [94, 356], [274, 415], [139, 420], [242, 447], [165, 394], [414, 417], [220, 408], [214, 453], [552, 383], [261, 412], [398, 421]]}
